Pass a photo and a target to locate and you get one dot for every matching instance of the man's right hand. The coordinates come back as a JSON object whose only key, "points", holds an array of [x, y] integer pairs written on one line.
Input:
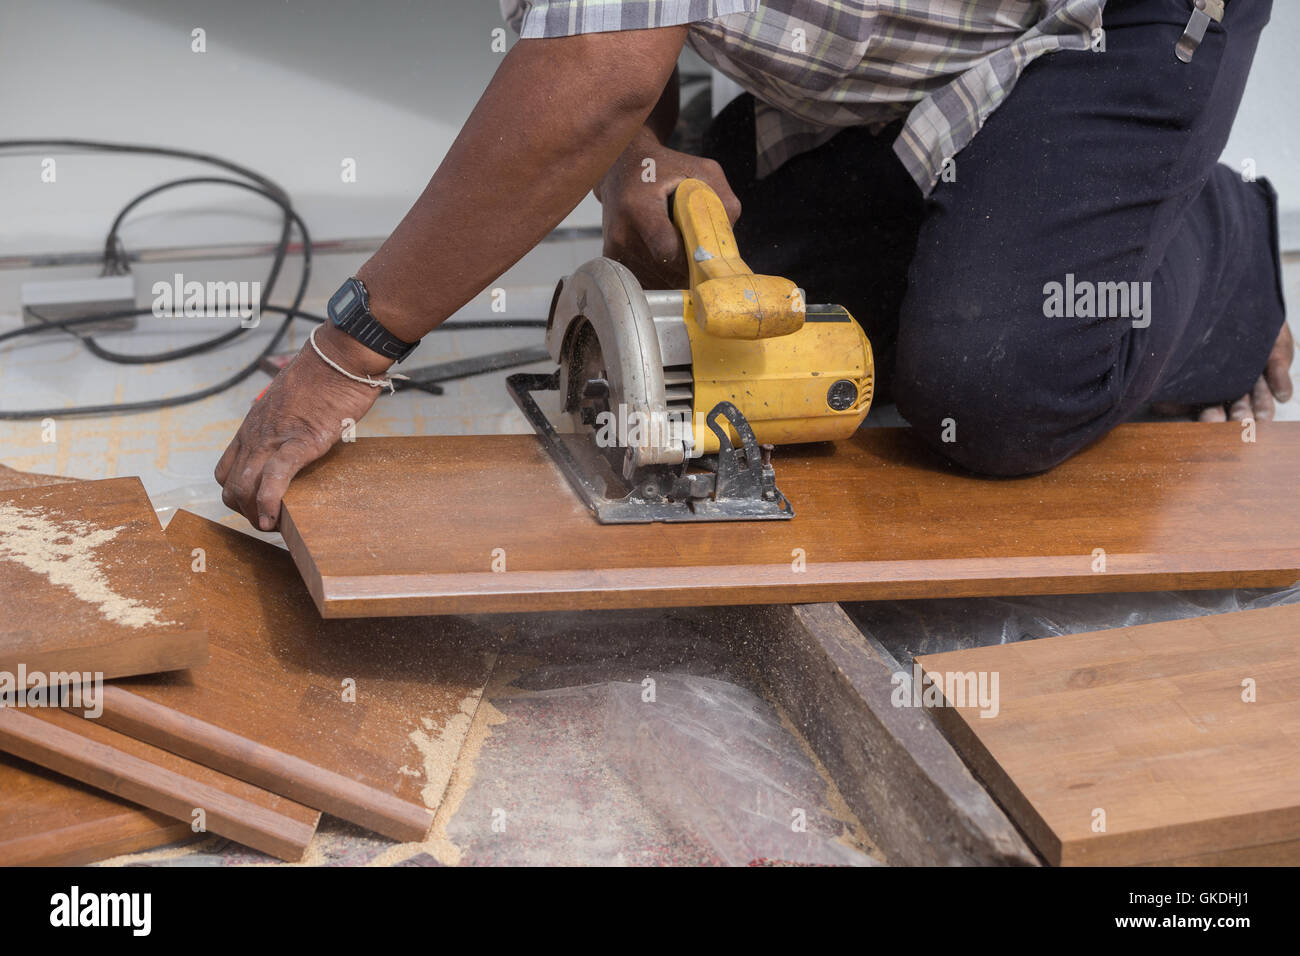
{"points": [[298, 419], [638, 229]]}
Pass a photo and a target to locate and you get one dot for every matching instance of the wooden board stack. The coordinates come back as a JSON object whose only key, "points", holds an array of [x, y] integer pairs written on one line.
{"points": [[289, 716], [361, 719]]}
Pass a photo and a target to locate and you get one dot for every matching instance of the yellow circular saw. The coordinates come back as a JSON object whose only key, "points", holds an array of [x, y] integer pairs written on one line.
{"points": [[675, 399]]}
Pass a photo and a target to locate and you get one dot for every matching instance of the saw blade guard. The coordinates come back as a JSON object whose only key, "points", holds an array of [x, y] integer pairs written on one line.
{"points": [[603, 298]]}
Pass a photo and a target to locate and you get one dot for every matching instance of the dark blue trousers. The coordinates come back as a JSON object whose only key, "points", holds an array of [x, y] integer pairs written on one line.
{"points": [[1100, 168]]}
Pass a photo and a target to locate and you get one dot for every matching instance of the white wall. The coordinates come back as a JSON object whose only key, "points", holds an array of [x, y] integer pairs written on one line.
{"points": [[1268, 126], [288, 88], [292, 87]]}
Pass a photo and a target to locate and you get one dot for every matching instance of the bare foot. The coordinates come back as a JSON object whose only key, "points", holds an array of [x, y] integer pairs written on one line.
{"points": [[1261, 402]]}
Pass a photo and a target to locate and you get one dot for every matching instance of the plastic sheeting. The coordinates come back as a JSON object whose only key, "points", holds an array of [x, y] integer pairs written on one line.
{"points": [[908, 629], [685, 770]]}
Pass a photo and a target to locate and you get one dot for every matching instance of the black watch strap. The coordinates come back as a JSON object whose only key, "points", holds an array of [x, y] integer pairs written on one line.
{"points": [[349, 310]]}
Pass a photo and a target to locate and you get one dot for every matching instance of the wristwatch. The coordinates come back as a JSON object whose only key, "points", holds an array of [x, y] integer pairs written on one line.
{"points": [[349, 310]]}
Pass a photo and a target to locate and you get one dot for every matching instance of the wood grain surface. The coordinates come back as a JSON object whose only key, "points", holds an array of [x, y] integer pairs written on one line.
{"points": [[85, 750], [12, 478], [403, 526], [88, 583], [50, 820], [1149, 725], [271, 706]]}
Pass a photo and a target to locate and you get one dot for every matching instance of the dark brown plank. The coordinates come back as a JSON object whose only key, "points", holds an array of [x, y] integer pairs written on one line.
{"points": [[401, 526], [86, 751], [89, 584], [12, 479], [48, 820], [898, 774], [270, 707], [1149, 725]]}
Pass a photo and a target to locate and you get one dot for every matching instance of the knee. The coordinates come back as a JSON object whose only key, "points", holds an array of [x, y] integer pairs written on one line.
{"points": [[976, 388], [972, 424]]}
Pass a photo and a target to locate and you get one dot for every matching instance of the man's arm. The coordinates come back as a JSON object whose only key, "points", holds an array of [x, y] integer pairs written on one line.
{"points": [[637, 228], [556, 115]]}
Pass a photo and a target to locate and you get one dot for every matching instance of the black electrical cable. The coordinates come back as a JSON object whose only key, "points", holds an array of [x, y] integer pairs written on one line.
{"points": [[116, 262], [107, 146], [126, 358], [153, 404], [464, 325]]}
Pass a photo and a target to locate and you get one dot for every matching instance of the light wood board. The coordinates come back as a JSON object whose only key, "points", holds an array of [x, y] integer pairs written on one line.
{"points": [[85, 750], [404, 526], [89, 584], [1145, 731], [361, 719]]}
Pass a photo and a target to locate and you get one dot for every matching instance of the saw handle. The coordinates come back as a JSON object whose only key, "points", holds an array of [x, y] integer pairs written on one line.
{"points": [[731, 302]]}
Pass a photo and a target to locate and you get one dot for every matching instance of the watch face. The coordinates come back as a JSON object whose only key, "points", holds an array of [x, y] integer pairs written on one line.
{"points": [[344, 300]]}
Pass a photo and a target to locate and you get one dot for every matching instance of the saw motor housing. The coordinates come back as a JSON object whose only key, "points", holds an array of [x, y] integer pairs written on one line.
{"points": [[796, 372]]}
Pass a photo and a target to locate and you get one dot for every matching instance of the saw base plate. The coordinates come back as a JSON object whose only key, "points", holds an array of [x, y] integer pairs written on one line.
{"points": [[740, 480]]}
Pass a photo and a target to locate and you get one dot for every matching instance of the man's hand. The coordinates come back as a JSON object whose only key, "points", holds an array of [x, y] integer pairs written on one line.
{"points": [[635, 216], [299, 418]]}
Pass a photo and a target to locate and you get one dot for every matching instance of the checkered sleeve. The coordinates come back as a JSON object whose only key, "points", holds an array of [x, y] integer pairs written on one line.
{"points": [[537, 19]]}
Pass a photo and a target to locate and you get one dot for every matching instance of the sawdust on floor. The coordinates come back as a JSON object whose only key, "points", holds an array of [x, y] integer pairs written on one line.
{"points": [[171, 852], [441, 746], [852, 833], [63, 550], [461, 767]]}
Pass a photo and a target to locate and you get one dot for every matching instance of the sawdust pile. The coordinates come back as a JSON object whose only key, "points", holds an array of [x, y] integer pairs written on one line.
{"points": [[63, 550], [455, 766]]}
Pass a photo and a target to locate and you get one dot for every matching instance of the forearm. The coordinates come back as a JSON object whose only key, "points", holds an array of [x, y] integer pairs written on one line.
{"points": [[549, 125]]}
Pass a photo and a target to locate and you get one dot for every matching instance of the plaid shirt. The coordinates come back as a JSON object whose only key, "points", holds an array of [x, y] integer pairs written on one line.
{"points": [[816, 66]]}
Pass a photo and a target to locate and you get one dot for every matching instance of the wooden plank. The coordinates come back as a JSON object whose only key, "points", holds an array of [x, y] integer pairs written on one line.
{"points": [[48, 820], [89, 584], [83, 750], [1148, 725], [272, 707], [401, 526], [894, 768], [12, 478]]}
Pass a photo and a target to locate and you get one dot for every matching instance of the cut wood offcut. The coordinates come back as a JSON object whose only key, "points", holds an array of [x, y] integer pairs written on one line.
{"points": [[50, 820]]}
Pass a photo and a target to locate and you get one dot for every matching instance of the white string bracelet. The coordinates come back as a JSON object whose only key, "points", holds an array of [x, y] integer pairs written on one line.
{"points": [[385, 382]]}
